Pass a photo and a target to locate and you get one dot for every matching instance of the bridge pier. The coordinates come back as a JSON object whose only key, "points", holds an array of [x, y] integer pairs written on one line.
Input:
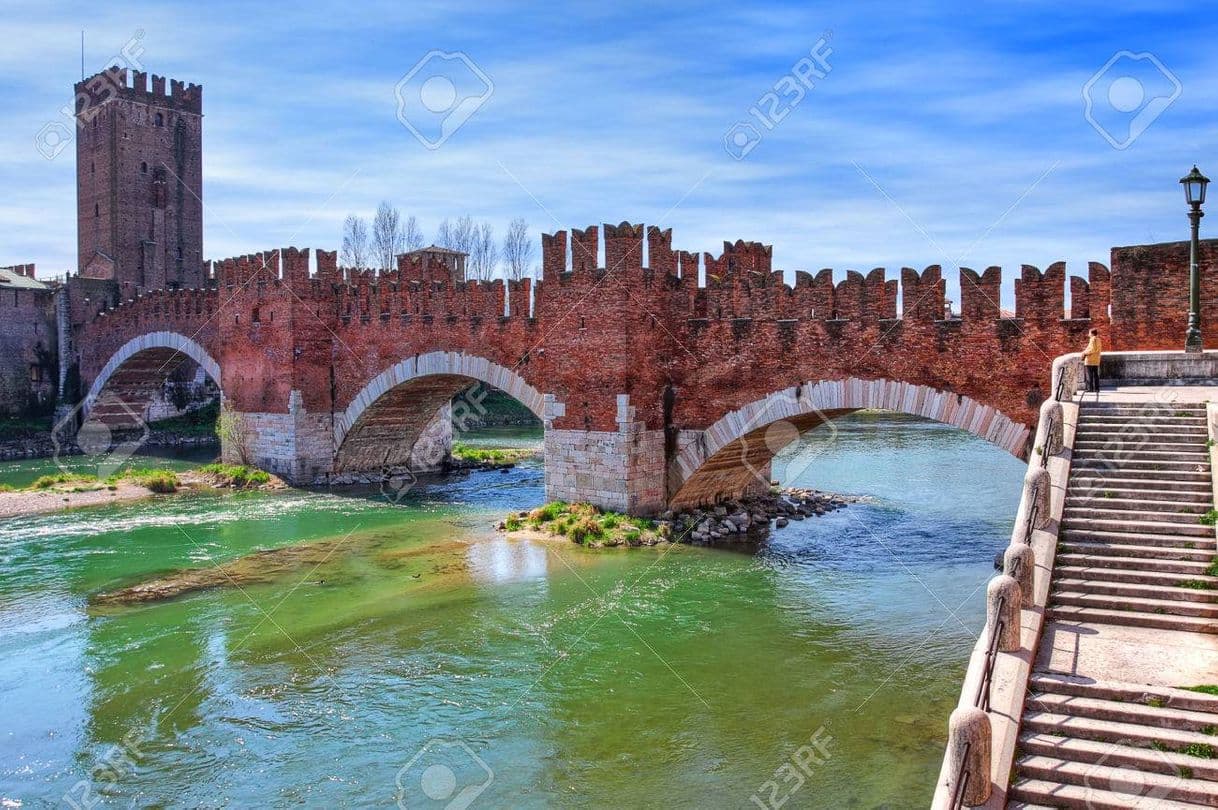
{"points": [[621, 470], [298, 446]]}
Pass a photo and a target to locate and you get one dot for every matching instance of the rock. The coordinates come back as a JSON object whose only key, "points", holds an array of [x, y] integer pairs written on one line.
{"points": [[720, 511], [781, 522]]}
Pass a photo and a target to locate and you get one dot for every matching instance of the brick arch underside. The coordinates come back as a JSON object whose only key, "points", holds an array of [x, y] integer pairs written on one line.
{"points": [[387, 418], [134, 375], [732, 457]]}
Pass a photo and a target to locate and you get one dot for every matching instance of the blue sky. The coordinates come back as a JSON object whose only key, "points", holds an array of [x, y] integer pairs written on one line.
{"points": [[937, 136]]}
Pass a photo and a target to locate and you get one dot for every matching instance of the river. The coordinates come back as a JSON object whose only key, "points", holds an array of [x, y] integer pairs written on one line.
{"points": [[413, 653]]}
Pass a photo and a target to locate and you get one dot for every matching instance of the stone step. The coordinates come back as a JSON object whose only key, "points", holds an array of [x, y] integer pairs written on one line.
{"points": [[1198, 505], [1120, 420], [1117, 711], [1131, 618], [1122, 511], [1130, 526], [1120, 690], [1134, 590], [1054, 794], [1125, 733], [1131, 468], [1138, 413], [1131, 784], [1139, 446], [1188, 568], [1084, 495], [1145, 428], [1194, 442], [1157, 606], [1119, 458], [1153, 547], [1096, 478], [1136, 489], [1173, 411], [1131, 576]]}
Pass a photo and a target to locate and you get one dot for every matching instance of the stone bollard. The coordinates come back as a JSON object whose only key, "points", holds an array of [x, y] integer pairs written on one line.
{"points": [[1039, 488], [1052, 435], [969, 743], [1005, 590], [1019, 563]]}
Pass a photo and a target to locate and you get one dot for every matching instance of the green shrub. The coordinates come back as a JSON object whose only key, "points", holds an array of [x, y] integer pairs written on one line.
{"points": [[48, 481], [162, 481], [512, 524], [1205, 689], [236, 475], [1209, 518]]}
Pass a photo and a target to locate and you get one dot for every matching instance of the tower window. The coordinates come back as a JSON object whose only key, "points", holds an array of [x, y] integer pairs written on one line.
{"points": [[143, 168], [92, 167], [160, 120], [96, 210]]}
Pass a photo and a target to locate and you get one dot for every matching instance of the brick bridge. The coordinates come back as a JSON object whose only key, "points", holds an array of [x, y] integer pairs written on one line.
{"points": [[653, 389]]}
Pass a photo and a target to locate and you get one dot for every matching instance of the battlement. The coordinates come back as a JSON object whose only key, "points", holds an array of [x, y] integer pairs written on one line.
{"points": [[739, 283], [112, 83]]}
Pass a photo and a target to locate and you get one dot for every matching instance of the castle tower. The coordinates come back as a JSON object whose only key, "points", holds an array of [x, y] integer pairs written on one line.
{"points": [[139, 181]]}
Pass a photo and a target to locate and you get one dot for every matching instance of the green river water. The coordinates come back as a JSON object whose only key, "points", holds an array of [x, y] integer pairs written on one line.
{"points": [[412, 657]]}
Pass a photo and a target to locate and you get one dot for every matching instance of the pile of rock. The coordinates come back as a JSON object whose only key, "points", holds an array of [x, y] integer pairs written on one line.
{"points": [[748, 519]]}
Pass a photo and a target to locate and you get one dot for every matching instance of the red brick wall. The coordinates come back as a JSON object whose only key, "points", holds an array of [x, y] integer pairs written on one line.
{"points": [[28, 371], [1150, 295], [276, 327]]}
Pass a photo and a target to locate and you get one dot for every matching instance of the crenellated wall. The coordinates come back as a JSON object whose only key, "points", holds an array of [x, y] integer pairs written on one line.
{"points": [[635, 357]]}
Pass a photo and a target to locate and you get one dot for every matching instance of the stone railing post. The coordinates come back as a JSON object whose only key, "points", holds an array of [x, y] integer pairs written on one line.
{"points": [[1051, 433], [1038, 486], [1003, 601], [1073, 365], [1019, 563], [969, 745]]}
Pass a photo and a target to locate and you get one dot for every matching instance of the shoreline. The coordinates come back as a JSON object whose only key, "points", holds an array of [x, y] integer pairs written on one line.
{"points": [[71, 495], [24, 503]]}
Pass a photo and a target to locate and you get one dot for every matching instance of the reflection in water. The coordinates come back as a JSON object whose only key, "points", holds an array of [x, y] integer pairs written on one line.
{"points": [[499, 560], [657, 676]]}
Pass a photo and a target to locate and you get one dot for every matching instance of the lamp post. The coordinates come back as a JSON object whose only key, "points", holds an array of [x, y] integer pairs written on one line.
{"points": [[1194, 193]]}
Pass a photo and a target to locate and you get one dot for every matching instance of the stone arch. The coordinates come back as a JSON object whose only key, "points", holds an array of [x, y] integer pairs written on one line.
{"points": [[733, 455], [386, 418], [138, 368]]}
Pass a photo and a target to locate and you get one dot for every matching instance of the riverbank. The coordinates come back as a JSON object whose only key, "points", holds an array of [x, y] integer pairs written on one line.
{"points": [[70, 490]]}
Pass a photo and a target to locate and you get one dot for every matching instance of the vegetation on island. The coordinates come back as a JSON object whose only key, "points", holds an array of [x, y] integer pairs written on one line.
{"points": [[587, 525], [237, 476], [161, 481]]}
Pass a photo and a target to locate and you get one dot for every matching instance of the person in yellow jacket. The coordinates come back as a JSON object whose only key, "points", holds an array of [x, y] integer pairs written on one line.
{"points": [[1091, 363]]}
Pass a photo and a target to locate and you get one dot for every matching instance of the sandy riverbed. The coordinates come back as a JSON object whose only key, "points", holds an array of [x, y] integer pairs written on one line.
{"points": [[41, 501]]}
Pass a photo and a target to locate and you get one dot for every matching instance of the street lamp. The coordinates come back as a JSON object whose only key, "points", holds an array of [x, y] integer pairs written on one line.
{"points": [[1194, 193]]}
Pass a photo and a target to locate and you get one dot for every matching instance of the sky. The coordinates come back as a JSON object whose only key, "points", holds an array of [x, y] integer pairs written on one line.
{"points": [[848, 135]]}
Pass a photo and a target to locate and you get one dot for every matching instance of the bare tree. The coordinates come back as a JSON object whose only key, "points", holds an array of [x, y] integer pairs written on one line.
{"points": [[412, 236], [387, 235], [483, 252], [355, 242], [517, 250], [458, 235]]}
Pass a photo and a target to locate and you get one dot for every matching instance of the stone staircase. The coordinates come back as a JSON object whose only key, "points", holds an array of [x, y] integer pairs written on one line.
{"points": [[1131, 552]]}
